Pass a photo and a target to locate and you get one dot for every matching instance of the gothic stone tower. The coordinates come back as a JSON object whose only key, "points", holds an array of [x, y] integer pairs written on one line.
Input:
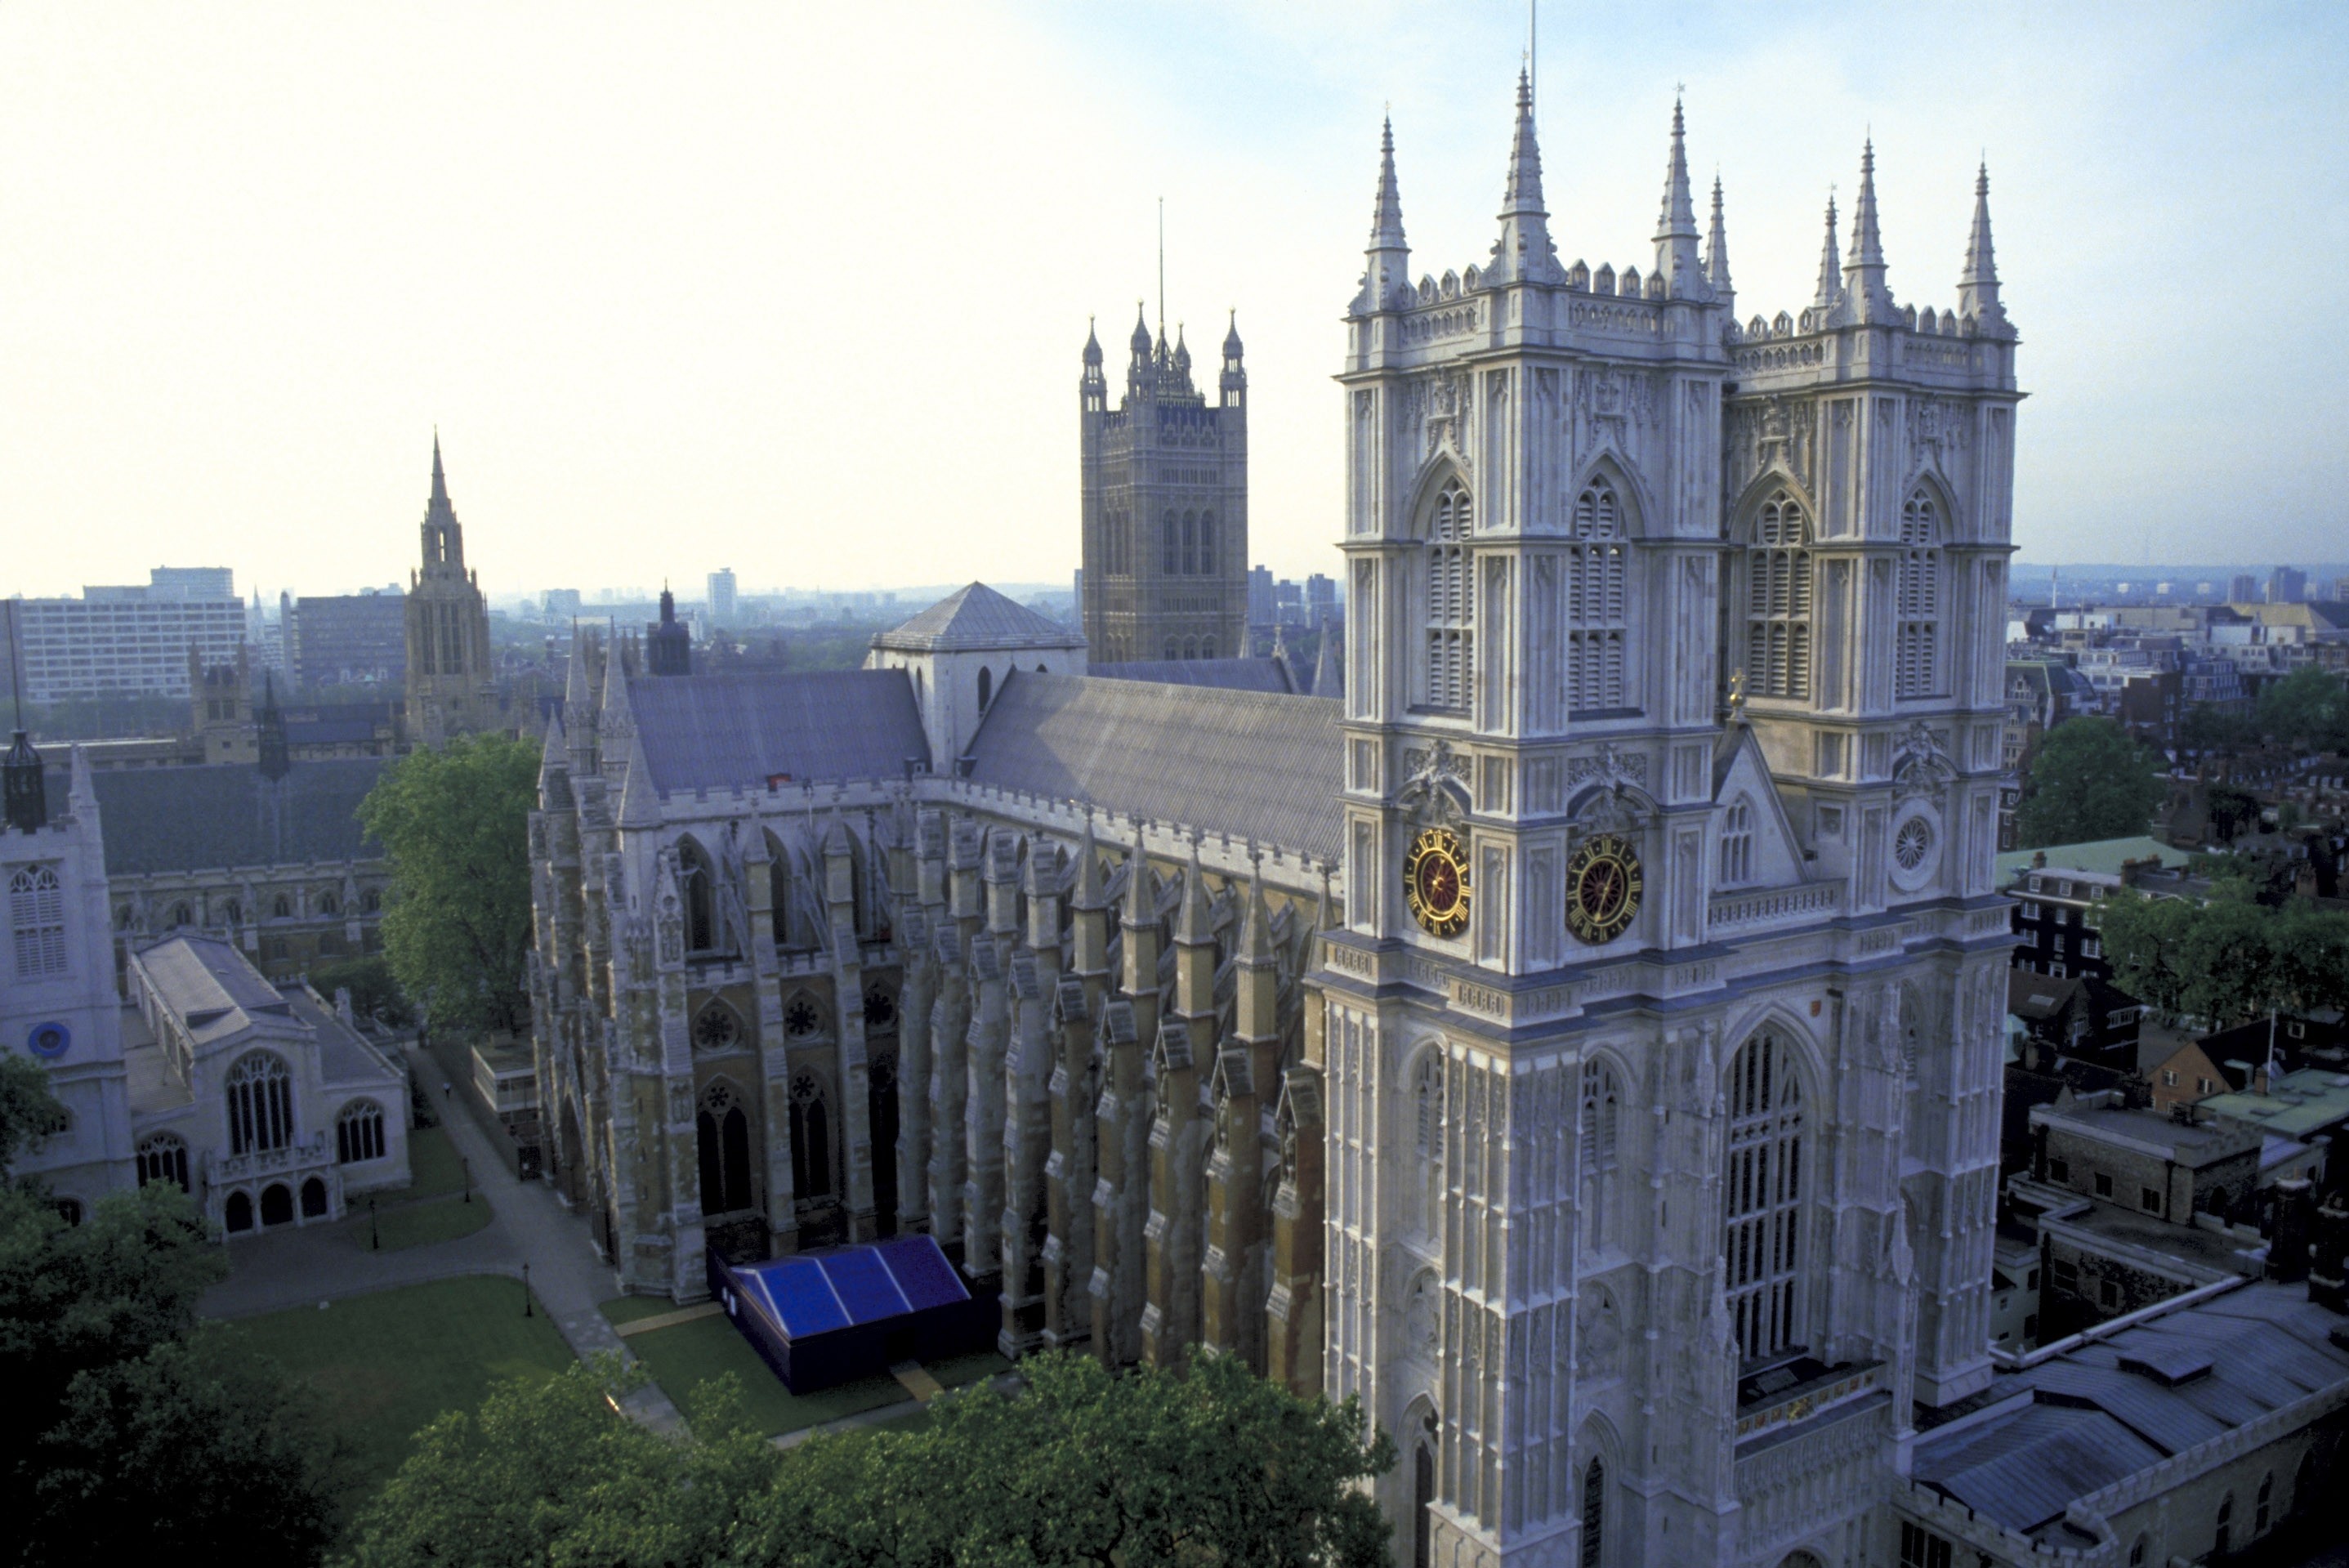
{"points": [[449, 666], [1165, 505], [1662, 1034]]}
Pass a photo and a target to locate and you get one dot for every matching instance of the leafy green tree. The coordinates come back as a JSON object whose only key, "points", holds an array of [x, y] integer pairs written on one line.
{"points": [[2233, 809], [2146, 941], [2306, 708], [2227, 961], [549, 1472], [125, 1430], [2210, 730], [375, 992], [2088, 780], [2311, 962], [1215, 1465], [455, 824]]}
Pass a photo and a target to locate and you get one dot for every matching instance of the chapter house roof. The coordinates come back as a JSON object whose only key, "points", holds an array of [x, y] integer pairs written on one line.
{"points": [[977, 618]]}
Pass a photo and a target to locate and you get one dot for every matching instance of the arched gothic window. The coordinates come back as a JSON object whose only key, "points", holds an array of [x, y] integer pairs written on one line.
{"points": [[232, 913], [1599, 1125], [181, 915], [1737, 842], [2221, 1537], [36, 917], [329, 904], [986, 687], [1170, 548], [1427, 1121], [370, 901], [1918, 605], [358, 1133], [236, 1214], [1763, 1199], [1451, 599], [1422, 1488], [1598, 610], [1190, 543], [284, 907], [260, 1103], [1779, 601], [2266, 1498], [1594, 1514], [163, 1157], [810, 1139], [722, 1134], [1207, 544], [314, 1202], [698, 883]]}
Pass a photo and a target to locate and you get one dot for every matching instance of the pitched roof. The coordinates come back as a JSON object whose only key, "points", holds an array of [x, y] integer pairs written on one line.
{"points": [[1221, 674], [214, 989], [977, 618], [1247, 763], [735, 728], [2117, 1407], [227, 815]]}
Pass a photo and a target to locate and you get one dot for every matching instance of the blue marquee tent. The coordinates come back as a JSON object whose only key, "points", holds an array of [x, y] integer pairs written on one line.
{"points": [[827, 1317]]}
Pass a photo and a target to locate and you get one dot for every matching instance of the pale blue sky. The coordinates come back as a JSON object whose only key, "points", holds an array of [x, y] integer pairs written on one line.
{"points": [[801, 289]]}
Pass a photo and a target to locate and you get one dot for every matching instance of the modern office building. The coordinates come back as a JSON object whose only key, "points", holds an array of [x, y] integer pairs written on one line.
{"points": [[129, 640]]}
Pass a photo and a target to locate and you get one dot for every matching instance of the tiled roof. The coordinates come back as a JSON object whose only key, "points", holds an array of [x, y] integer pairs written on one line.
{"points": [[227, 815], [978, 617], [1222, 674], [742, 728], [1247, 764]]}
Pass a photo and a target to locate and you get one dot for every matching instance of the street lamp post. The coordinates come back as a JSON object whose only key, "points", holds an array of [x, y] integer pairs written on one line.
{"points": [[375, 1228], [467, 1166], [526, 1290]]}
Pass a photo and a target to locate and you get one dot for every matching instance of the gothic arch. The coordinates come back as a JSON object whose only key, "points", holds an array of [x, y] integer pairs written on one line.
{"points": [[1791, 1027], [1607, 466], [697, 886], [1444, 466], [1774, 477]]}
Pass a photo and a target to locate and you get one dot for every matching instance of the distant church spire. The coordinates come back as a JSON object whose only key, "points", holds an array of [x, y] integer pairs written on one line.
{"points": [[1716, 249], [1831, 263], [276, 759], [1977, 286], [1388, 253], [1521, 255], [439, 479], [1676, 255], [1870, 296]]}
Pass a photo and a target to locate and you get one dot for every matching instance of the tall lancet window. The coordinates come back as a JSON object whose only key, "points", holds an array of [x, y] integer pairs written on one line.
{"points": [[1919, 598], [1779, 601], [1601, 1121], [1451, 599], [1596, 603], [1763, 1200], [698, 884], [1427, 1142], [1170, 546]]}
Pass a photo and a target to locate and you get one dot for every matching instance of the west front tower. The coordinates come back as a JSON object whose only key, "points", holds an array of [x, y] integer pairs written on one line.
{"points": [[1165, 508], [1658, 1130]]}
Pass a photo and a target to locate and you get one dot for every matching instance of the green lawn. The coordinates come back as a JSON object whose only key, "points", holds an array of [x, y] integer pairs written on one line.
{"points": [[690, 1353], [388, 1363], [442, 1220], [434, 1167]]}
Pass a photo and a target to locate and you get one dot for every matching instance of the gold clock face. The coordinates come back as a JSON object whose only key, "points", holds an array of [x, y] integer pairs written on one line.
{"points": [[1435, 882], [1602, 888]]}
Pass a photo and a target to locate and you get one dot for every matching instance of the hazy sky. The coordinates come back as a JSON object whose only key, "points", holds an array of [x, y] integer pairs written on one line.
{"points": [[801, 289]]}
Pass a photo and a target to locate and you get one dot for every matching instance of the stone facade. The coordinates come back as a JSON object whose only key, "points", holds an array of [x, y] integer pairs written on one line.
{"points": [[452, 688], [1164, 518]]}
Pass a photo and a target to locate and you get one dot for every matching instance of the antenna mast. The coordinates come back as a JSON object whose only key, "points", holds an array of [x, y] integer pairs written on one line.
{"points": [[1162, 270]]}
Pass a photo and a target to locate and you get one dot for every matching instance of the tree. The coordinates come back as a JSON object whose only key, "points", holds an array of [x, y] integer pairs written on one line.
{"points": [[2088, 780], [2307, 707], [1212, 1465], [2227, 961], [2231, 809], [375, 992], [2208, 728], [551, 1473], [2146, 942], [126, 1430], [455, 824]]}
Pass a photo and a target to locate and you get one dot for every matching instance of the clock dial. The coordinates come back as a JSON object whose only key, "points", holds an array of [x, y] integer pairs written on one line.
{"points": [[1435, 882], [1602, 888]]}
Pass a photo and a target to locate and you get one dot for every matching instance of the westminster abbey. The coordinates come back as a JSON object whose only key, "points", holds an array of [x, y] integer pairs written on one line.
{"points": [[1580, 1038]]}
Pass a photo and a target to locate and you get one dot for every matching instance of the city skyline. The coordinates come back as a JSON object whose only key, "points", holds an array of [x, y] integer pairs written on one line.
{"points": [[691, 279]]}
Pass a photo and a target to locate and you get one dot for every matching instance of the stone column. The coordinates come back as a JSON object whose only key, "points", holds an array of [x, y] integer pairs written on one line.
{"points": [[854, 1111], [950, 1020], [990, 1030], [1028, 1106], [919, 928], [1075, 1085]]}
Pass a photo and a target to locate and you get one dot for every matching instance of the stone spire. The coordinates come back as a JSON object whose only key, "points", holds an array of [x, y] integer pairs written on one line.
{"points": [[439, 479], [1977, 286], [1092, 346], [27, 788], [555, 767], [639, 802], [1676, 237], [1870, 297], [1389, 253], [1328, 666], [1086, 892], [1523, 253], [1830, 265], [1195, 922], [1716, 250]]}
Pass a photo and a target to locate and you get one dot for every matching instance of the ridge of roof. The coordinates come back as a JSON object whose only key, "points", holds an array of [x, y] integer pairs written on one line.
{"points": [[976, 617]]}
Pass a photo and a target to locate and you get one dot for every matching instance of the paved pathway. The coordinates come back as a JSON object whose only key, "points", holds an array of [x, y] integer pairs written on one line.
{"points": [[528, 1225]]}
